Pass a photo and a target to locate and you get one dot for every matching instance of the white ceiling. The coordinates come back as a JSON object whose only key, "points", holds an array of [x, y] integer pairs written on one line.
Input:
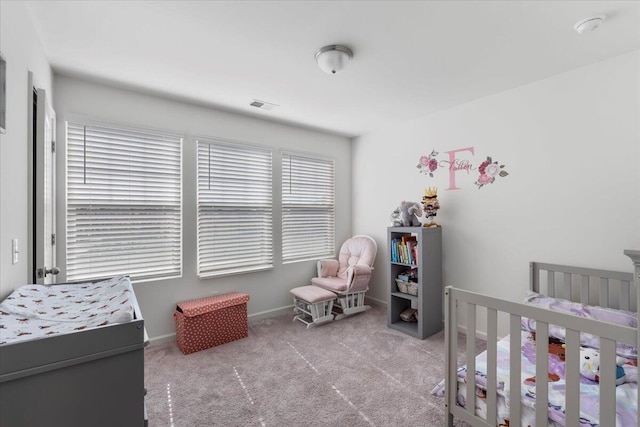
{"points": [[411, 58]]}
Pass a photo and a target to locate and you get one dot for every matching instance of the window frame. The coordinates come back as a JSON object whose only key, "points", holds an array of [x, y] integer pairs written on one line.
{"points": [[80, 120], [331, 244], [268, 214]]}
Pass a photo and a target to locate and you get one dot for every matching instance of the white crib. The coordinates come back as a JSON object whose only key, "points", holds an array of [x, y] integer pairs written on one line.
{"points": [[583, 285]]}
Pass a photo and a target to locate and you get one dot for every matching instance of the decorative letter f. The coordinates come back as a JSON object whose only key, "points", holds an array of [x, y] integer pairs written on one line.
{"points": [[452, 163]]}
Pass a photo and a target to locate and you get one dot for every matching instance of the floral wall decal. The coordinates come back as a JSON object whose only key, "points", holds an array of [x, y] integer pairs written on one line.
{"points": [[456, 162], [489, 170], [428, 164]]}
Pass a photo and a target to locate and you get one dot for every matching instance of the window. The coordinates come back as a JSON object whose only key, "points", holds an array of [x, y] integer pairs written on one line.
{"points": [[124, 203], [308, 208], [234, 208]]}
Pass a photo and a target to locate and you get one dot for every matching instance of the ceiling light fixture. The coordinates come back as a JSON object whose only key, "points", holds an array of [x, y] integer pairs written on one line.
{"points": [[589, 24], [333, 58]]}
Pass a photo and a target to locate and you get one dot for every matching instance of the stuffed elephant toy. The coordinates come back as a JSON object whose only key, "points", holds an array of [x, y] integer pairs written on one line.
{"points": [[409, 214]]}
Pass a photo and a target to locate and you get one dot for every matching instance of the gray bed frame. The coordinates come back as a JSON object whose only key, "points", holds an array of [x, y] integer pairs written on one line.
{"points": [[92, 378], [596, 287]]}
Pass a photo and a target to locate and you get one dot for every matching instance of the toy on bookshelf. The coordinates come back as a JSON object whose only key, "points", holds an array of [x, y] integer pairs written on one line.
{"points": [[395, 218], [430, 206], [409, 213]]}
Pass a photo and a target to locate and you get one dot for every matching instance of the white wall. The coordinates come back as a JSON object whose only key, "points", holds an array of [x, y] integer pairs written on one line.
{"points": [[571, 144], [268, 290], [23, 53]]}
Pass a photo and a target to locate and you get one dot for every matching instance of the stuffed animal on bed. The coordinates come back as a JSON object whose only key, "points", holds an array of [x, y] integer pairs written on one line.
{"points": [[556, 347], [590, 366], [409, 213], [589, 362]]}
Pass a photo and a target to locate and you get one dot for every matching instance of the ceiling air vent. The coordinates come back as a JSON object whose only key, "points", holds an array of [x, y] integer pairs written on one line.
{"points": [[263, 105]]}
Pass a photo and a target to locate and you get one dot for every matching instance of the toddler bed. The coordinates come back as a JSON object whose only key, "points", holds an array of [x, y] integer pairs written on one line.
{"points": [[584, 312], [72, 355]]}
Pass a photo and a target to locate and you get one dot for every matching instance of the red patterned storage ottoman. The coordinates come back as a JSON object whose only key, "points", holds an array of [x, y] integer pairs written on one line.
{"points": [[207, 322]]}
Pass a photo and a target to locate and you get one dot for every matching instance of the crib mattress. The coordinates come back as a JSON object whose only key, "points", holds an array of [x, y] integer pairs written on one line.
{"points": [[38, 311], [626, 394]]}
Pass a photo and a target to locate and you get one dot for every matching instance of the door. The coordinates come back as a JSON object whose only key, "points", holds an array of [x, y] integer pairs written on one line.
{"points": [[45, 192]]}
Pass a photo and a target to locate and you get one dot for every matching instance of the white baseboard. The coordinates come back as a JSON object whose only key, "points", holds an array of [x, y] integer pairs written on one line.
{"points": [[271, 313], [479, 334], [166, 338], [162, 339], [288, 309], [375, 301]]}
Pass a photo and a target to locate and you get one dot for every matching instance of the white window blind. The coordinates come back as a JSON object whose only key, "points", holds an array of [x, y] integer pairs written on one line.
{"points": [[124, 203], [235, 208], [308, 208]]}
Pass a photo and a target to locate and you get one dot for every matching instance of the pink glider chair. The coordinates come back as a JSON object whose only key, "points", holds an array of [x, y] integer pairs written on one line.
{"points": [[348, 276]]}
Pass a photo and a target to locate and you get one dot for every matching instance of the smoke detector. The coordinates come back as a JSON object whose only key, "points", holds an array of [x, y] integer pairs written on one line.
{"points": [[589, 24]]}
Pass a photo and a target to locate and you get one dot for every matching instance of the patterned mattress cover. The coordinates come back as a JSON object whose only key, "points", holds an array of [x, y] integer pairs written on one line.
{"points": [[625, 393], [38, 311]]}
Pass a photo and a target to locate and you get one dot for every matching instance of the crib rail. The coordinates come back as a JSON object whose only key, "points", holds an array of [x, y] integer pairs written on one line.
{"points": [[458, 301], [603, 288]]}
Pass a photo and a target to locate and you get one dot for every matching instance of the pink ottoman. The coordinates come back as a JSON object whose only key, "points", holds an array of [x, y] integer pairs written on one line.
{"points": [[313, 305]]}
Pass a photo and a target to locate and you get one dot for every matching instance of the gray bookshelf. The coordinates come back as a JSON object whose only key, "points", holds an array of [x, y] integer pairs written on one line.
{"points": [[428, 302]]}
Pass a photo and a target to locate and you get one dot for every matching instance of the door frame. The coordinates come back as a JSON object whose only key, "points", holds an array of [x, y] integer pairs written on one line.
{"points": [[32, 99], [42, 224]]}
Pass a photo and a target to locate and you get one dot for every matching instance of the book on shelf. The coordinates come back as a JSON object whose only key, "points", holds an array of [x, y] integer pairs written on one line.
{"points": [[404, 250], [395, 253]]}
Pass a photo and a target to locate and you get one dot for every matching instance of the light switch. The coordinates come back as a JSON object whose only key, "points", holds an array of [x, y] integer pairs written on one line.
{"points": [[14, 251]]}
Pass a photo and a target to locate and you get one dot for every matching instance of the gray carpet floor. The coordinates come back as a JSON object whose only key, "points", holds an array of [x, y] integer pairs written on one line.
{"points": [[351, 372]]}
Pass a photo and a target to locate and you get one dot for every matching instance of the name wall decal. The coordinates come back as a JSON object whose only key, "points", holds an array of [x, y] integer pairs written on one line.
{"points": [[488, 170]]}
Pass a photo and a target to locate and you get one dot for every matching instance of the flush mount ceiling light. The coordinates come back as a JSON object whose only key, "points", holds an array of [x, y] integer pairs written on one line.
{"points": [[589, 24], [333, 58]]}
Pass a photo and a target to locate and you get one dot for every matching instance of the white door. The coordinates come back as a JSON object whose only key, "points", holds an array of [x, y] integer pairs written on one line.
{"points": [[45, 192]]}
